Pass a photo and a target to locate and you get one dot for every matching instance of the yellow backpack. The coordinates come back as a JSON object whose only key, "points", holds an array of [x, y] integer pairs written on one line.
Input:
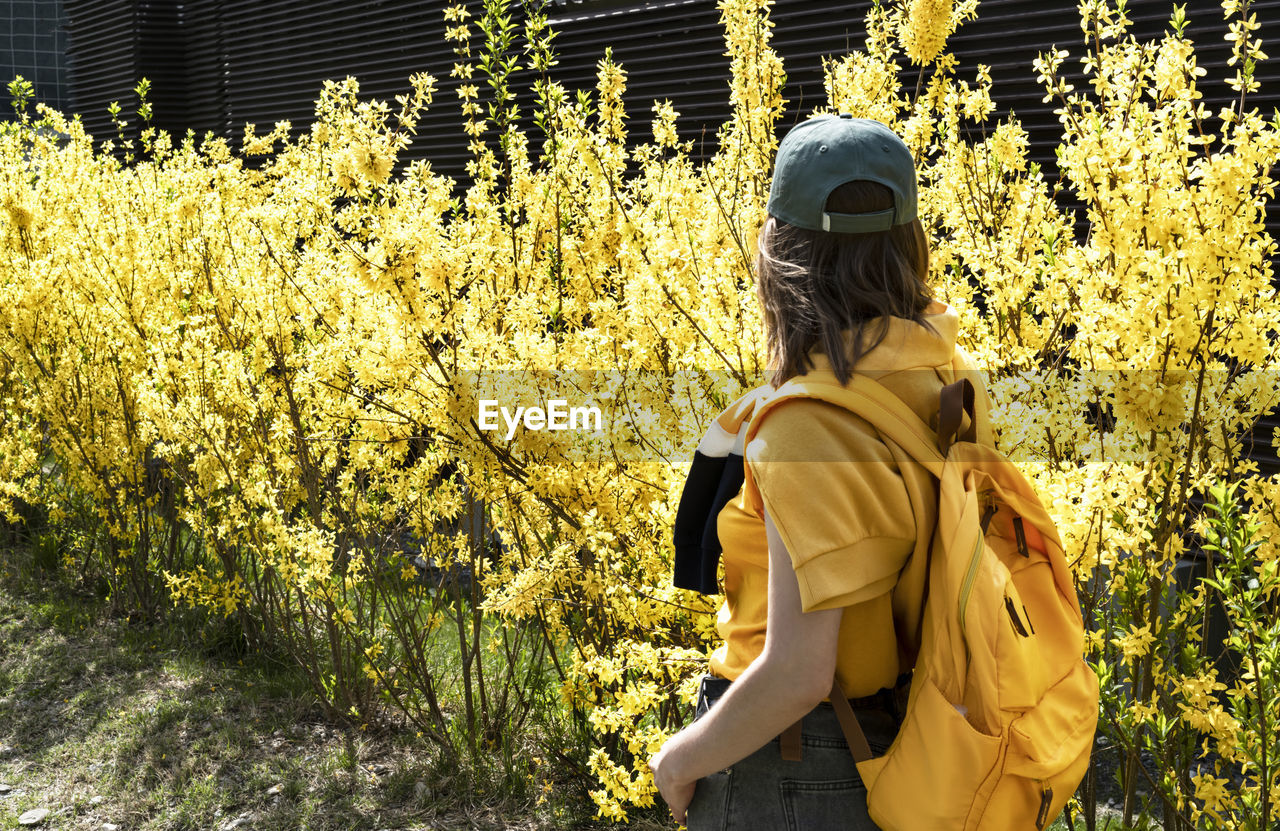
{"points": [[1002, 708]]}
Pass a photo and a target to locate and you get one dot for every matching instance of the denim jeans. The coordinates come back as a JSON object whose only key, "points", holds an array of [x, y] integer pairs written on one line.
{"points": [[764, 792]]}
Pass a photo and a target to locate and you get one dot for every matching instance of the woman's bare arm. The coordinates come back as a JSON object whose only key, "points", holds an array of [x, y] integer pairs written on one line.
{"points": [[790, 677]]}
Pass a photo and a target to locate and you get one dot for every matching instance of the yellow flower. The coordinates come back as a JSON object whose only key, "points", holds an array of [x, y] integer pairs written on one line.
{"points": [[373, 164], [1212, 793], [664, 124], [925, 27], [1136, 642], [19, 215], [456, 13]]}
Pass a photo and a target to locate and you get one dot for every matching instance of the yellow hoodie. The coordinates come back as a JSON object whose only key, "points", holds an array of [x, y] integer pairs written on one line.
{"points": [[839, 495]]}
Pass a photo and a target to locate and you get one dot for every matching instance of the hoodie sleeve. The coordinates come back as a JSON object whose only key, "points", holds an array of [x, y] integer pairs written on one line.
{"points": [[837, 497]]}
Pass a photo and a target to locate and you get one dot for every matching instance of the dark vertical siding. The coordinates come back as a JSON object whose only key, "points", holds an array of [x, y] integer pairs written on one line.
{"points": [[162, 60], [671, 50], [216, 65], [674, 50], [205, 67], [104, 56], [277, 56]]}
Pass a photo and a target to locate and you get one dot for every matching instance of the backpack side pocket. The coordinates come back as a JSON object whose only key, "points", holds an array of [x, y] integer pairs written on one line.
{"points": [[938, 767]]}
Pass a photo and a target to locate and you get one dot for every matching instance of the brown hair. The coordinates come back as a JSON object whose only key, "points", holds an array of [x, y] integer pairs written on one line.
{"points": [[814, 284]]}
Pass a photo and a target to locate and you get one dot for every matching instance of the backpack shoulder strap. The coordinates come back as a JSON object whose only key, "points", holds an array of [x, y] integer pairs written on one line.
{"points": [[898, 423], [872, 401]]}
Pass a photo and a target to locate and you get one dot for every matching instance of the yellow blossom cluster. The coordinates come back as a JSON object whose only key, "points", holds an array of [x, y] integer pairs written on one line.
{"points": [[924, 25]]}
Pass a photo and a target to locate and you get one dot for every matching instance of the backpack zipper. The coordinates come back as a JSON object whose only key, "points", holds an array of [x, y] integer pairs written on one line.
{"points": [[987, 513], [969, 578], [1014, 618], [1020, 535], [1046, 802]]}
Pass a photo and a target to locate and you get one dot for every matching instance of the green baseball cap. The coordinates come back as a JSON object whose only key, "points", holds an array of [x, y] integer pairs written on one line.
{"points": [[827, 151]]}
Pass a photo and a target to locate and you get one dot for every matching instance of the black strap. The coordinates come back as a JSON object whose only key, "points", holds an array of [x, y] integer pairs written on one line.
{"points": [[954, 403], [892, 701], [849, 724], [790, 741]]}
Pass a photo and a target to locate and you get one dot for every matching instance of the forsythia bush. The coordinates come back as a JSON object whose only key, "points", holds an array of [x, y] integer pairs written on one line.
{"points": [[257, 383]]}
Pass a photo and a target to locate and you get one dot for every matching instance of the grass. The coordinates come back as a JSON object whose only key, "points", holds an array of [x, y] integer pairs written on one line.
{"points": [[160, 728], [1108, 820]]}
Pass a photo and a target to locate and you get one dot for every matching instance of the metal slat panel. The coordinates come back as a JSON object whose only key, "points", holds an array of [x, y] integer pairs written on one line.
{"points": [[246, 61], [272, 56], [102, 57], [162, 60], [205, 68], [277, 56]]}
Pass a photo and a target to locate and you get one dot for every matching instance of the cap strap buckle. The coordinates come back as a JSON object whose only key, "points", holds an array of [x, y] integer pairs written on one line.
{"points": [[858, 223]]}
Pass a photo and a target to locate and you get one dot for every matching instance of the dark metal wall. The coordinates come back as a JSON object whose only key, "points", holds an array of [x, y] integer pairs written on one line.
{"points": [[104, 49], [203, 69], [217, 64]]}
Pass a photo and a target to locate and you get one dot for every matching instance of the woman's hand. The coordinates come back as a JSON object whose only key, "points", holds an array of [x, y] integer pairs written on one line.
{"points": [[790, 677], [677, 793]]}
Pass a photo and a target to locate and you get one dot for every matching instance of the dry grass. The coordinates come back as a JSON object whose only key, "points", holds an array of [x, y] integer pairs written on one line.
{"points": [[165, 728], [157, 728]]}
